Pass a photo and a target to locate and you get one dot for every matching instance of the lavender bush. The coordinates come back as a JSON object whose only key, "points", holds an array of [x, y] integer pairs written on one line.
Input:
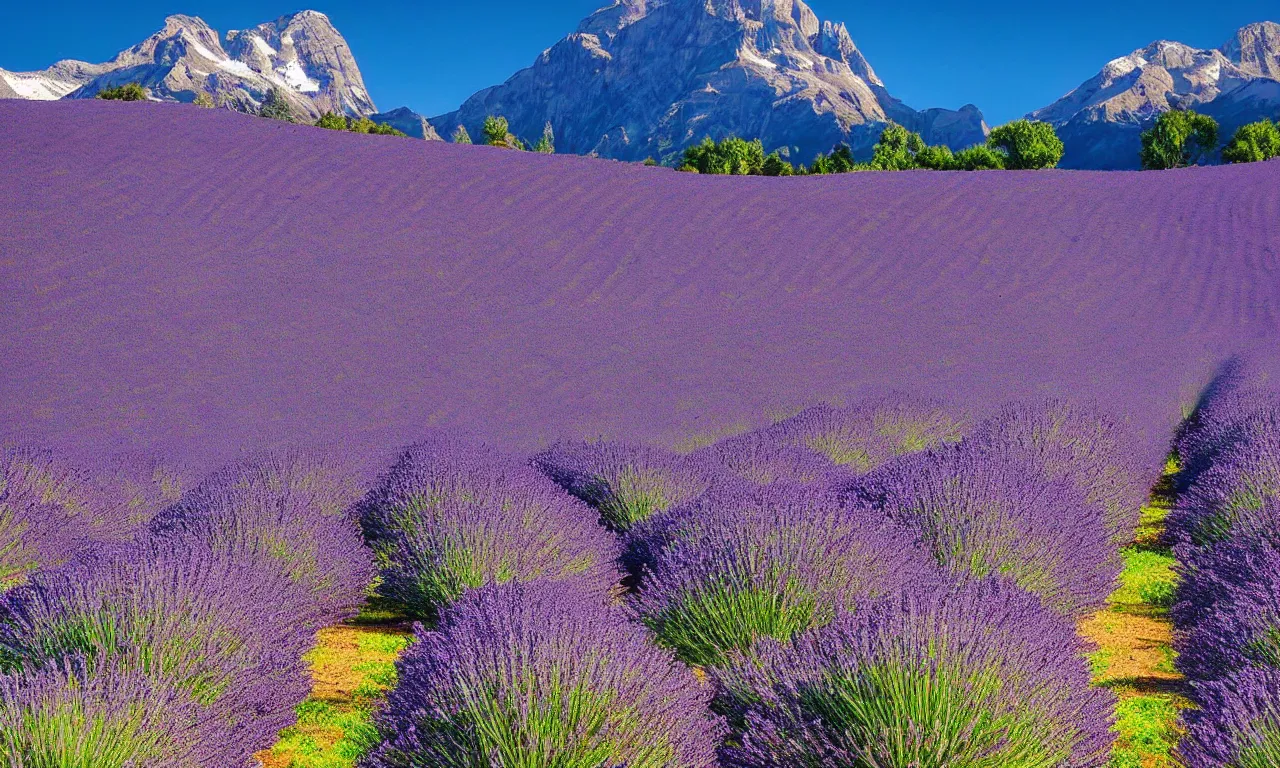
{"points": [[450, 515], [227, 631], [1236, 723], [982, 514], [543, 674], [742, 563], [976, 674], [288, 509], [756, 458], [868, 434], [48, 511], [625, 483], [1230, 496], [1227, 612], [117, 717], [1080, 445]]}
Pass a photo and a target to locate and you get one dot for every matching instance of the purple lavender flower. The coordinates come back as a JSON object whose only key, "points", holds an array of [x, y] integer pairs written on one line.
{"points": [[1236, 723], [228, 631], [450, 515], [140, 487], [978, 673], [1080, 445], [742, 563], [1227, 612], [116, 717], [1234, 406], [1230, 497], [543, 673], [290, 509], [984, 514], [626, 483], [872, 432], [755, 457], [48, 512]]}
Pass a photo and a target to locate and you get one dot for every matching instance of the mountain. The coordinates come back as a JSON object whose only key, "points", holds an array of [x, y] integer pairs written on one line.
{"points": [[1100, 121], [405, 119], [643, 78], [301, 55]]}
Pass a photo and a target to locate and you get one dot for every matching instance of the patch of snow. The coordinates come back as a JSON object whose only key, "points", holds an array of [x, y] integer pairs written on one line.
{"points": [[1214, 70], [296, 78], [1124, 65], [262, 46], [747, 55], [238, 68], [804, 61], [200, 49], [286, 38], [37, 87]]}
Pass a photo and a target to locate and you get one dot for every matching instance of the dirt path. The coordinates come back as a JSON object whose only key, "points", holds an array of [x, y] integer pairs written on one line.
{"points": [[1135, 657], [352, 666]]}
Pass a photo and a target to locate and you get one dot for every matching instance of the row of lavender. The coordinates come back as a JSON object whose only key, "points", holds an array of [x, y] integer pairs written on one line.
{"points": [[172, 640], [872, 585], [1226, 532]]}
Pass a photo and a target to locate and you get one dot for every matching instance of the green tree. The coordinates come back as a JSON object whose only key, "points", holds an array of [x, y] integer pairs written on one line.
{"points": [[650, 161], [497, 133], [774, 165], [203, 99], [461, 136], [732, 156], [383, 129], [1253, 143], [979, 157], [1179, 138], [362, 125], [275, 107], [332, 121], [547, 144], [897, 149], [1027, 145], [126, 92], [936, 158]]}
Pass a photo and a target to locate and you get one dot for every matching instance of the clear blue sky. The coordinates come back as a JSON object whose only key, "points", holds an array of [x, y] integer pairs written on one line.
{"points": [[1007, 57]]}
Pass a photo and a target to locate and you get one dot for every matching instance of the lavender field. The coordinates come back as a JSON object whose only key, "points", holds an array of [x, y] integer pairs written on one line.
{"points": [[321, 449]]}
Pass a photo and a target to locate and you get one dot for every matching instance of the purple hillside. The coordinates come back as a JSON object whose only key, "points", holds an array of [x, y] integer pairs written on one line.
{"points": [[196, 283]]}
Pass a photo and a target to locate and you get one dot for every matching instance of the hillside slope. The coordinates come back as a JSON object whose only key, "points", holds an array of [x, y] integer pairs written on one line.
{"points": [[198, 282]]}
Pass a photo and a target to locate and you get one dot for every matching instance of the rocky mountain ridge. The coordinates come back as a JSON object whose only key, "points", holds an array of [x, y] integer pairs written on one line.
{"points": [[646, 78], [1101, 120], [301, 56]]}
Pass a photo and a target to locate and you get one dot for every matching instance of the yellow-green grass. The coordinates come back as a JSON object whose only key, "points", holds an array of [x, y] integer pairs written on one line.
{"points": [[352, 667], [1134, 657]]}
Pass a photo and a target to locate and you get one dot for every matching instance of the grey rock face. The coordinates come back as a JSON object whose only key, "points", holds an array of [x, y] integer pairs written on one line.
{"points": [[647, 78], [405, 119], [1100, 122], [302, 56]]}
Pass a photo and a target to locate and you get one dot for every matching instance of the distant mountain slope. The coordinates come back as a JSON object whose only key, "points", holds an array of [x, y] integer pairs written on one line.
{"points": [[300, 55], [198, 283], [1101, 120], [646, 78]]}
